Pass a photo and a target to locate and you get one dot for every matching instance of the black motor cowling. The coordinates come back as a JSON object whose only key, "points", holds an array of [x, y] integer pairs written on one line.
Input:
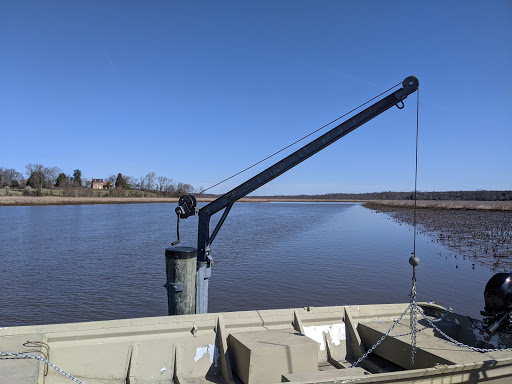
{"points": [[498, 301], [498, 293]]}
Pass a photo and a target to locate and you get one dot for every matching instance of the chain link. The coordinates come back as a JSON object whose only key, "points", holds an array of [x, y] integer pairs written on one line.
{"points": [[28, 356], [415, 309], [413, 320], [409, 333], [381, 339], [458, 343]]}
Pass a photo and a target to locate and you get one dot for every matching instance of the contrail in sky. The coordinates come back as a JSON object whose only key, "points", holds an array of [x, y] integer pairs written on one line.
{"points": [[106, 57]]}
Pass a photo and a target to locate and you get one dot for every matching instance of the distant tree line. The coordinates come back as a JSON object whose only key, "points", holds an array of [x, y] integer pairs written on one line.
{"points": [[151, 182], [39, 177], [448, 195]]}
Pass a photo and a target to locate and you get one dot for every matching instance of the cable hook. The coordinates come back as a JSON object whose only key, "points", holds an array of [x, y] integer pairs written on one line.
{"points": [[398, 104], [178, 231]]}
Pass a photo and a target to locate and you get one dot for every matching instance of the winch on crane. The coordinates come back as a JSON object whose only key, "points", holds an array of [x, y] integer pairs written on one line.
{"points": [[187, 206]]}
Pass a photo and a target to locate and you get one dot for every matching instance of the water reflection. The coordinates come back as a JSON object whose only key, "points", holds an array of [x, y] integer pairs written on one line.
{"points": [[97, 262]]}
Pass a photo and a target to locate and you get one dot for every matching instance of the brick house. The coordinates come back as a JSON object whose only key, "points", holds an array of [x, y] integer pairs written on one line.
{"points": [[100, 184]]}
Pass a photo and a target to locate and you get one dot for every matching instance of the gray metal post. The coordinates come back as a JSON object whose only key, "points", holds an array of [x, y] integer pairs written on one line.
{"points": [[204, 272], [180, 265]]}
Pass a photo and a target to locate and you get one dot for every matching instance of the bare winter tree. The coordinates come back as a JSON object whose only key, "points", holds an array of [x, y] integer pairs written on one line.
{"points": [[51, 175], [150, 180], [86, 181], [170, 188], [183, 189], [10, 177], [162, 182], [40, 176], [142, 183], [131, 181]]}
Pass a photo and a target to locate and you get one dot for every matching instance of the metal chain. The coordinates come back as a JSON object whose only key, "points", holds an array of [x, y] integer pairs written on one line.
{"points": [[413, 318], [413, 306], [408, 333], [458, 343], [381, 339], [28, 356]]}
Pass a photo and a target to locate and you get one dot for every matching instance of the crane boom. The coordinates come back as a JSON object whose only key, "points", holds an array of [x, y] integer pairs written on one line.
{"points": [[187, 204]]}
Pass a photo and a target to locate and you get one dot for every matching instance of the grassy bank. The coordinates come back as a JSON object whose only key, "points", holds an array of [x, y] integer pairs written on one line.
{"points": [[82, 192]]}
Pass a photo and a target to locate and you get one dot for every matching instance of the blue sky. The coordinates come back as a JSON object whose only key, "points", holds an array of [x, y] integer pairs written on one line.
{"points": [[197, 91]]}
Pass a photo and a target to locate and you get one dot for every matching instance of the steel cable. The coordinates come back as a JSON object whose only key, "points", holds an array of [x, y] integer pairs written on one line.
{"points": [[297, 141], [416, 168]]}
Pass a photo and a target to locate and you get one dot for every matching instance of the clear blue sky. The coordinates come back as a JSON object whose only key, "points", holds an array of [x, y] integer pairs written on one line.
{"points": [[197, 90]]}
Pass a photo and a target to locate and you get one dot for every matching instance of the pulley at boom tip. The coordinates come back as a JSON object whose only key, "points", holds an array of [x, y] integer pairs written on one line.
{"points": [[411, 84]]}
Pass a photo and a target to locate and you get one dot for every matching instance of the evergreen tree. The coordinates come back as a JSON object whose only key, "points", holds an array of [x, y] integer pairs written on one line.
{"points": [[61, 180], [121, 182], [77, 177]]}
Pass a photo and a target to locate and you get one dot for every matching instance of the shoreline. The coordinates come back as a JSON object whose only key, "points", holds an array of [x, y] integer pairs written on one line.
{"points": [[13, 201]]}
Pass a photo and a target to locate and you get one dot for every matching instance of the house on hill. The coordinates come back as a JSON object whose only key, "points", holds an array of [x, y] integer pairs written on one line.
{"points": [[100, 184]]}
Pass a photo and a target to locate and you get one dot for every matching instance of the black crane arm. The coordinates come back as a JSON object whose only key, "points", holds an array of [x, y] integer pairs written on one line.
{"points": [[187, 205]]}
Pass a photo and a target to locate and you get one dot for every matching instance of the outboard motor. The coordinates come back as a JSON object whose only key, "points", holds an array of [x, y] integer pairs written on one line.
{"points": [[498, 302]]}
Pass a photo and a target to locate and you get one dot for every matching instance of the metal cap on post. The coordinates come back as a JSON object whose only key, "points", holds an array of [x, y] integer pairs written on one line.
{"points": [[181, 264]]}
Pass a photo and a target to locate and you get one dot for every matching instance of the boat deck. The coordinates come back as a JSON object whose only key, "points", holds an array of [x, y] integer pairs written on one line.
{"points": [[306, 345]]}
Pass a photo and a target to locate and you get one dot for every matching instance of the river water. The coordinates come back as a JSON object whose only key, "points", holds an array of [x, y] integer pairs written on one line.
{"points": [[97, 262]]}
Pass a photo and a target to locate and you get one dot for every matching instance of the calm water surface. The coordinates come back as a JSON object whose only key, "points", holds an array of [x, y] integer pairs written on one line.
{"points": [[97, 262]]}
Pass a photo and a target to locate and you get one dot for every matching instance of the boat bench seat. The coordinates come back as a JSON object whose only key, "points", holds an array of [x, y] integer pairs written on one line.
{"points": [[430, 350], [264, 356]]}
